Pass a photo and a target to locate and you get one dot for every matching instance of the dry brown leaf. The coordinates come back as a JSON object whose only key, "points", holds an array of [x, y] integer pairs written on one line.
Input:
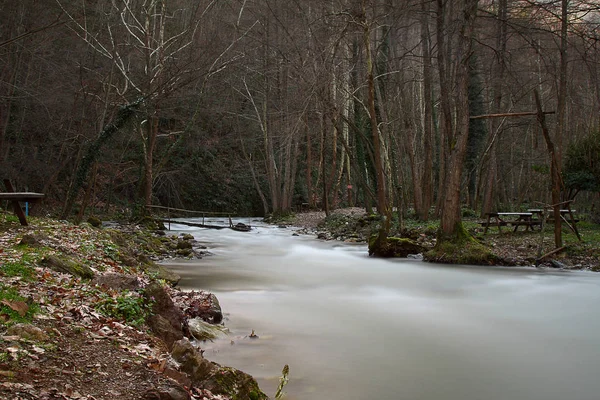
{"points": [[19, 306]]}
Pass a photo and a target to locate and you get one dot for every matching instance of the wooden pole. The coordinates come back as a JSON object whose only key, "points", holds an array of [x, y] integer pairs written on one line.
{"points": [[519, 114], [554, 172]]}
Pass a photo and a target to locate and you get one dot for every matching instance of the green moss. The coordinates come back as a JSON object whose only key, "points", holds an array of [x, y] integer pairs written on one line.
{"points": [[393, 247], [460, 248], [67, 265], [237, 385], [94, 221]]}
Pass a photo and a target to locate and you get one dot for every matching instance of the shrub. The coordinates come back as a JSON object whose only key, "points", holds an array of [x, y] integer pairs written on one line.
{"points": [[127, 306]]}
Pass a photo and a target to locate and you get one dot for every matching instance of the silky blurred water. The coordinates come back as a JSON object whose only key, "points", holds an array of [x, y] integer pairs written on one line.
{"points": [[352, 327]]}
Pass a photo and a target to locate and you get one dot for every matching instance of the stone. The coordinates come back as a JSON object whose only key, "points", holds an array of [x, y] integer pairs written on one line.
{"points": [[201, 330], [233, 383], [94, 221], [118, 282], [27, 331], [184, 244], [170, 393], [211, 376], [208, 309], [161, 272], [177, 376], [67, 266], [162, 328], [184, 252], [394, 247], [32, 240], [191, 362], [163, 305], [557, 264]]}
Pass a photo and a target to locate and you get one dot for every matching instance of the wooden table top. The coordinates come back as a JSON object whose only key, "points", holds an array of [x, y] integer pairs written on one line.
{"points": [[21, 196]]}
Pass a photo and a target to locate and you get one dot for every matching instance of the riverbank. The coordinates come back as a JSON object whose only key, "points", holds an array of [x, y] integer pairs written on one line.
{"points": [[87, 313], [511, 248]]}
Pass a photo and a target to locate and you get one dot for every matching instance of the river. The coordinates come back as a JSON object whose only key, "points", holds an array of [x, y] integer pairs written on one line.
{"points": [[355, 328]]}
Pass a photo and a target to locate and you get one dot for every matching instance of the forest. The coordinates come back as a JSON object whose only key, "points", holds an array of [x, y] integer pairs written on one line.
{"points": [[269, 106]]}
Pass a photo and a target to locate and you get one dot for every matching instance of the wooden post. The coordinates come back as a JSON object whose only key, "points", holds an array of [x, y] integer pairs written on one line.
{"points": [[554, 172]]}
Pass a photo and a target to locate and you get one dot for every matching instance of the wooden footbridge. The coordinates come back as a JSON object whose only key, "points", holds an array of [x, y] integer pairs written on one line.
{"points": [[177, 212]]}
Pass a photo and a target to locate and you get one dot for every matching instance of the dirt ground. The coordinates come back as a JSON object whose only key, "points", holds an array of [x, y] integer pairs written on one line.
{"points": [[54, 341]]}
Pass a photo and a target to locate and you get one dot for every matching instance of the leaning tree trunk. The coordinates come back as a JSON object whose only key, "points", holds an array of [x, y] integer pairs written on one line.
{"points": [[123, 116]]}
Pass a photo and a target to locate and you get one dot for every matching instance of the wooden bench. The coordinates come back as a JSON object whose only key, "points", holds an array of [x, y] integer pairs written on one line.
{"points": [[17, 197]]}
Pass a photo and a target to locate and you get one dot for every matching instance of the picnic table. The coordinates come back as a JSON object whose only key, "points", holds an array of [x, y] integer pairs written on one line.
{"points": [[566, 215], [17, 197], [534, 217], [514, 219], [538, 212]]}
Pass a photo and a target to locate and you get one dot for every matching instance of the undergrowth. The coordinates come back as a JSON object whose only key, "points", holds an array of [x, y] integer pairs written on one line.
{"points": [[127, 306]]}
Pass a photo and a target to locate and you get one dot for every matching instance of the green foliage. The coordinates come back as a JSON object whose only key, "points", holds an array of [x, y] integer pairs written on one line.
{"points": [[8, 295], [127, 306], [582, 164], [282, 382]]}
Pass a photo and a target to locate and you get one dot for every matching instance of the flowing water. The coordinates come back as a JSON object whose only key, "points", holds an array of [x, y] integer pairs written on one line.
{"points": [[352, 327]]}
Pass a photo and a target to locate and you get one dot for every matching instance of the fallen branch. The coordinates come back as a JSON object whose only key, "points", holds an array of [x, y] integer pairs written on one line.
{"points": [[558, 250]]}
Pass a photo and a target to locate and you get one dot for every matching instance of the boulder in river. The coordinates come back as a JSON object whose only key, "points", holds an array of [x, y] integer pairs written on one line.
{"points": [[394, 247], [207, 308], [201, 330]]}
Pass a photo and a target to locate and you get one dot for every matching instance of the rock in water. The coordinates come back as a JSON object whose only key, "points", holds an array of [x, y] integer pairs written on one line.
{"points": [[394, 247], [208, 309], [225, 381], [201, 330]]}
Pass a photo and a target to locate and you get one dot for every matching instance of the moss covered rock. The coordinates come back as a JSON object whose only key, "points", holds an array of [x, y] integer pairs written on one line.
{"points": [[159, 272], [67, 266], [393, 247], [461, 248], [94, 221]]}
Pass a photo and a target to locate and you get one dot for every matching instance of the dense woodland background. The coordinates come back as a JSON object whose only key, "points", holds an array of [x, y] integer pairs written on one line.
{"points": [[265, 106]]}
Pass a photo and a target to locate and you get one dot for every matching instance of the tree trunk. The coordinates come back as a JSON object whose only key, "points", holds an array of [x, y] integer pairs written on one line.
{"points": [[382, 207], [427, 179], [450, 224]]}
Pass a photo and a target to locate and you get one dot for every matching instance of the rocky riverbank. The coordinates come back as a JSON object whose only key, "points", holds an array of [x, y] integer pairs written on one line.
{"points": [[87, 313], [509, 248]]}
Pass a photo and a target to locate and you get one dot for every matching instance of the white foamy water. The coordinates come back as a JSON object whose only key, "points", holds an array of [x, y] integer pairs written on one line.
{"points": [[351, 327]]}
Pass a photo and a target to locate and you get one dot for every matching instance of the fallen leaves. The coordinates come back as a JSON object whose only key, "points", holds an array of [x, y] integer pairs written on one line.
{"points": [[19, 306]]}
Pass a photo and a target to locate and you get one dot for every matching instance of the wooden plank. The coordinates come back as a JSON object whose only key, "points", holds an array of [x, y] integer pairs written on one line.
{"points": [[521, 214], [22, 196]]}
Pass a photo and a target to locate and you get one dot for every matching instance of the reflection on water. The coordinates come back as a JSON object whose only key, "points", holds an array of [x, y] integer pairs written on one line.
{"points": [[352, 327]]}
